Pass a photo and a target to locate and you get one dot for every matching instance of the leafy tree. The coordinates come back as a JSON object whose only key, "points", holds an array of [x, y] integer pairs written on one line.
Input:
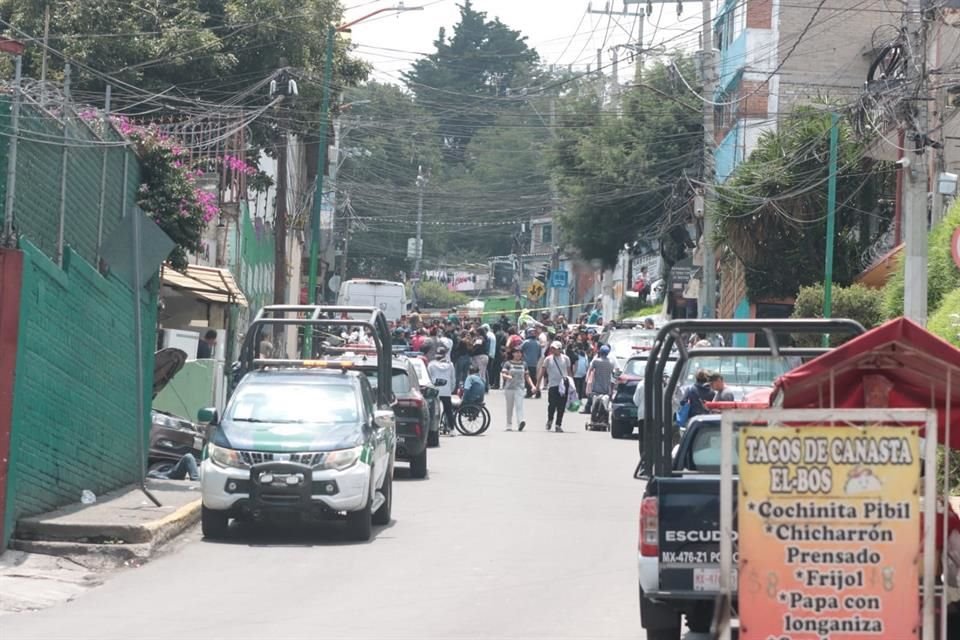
{"points": [[623, 178], [772, 211], [466, 80], [945, 321], [386, 140], [943, 276], [856, 302]]}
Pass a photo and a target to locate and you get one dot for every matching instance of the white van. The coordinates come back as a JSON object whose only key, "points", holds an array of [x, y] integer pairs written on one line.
{"points": [[389, 297]]}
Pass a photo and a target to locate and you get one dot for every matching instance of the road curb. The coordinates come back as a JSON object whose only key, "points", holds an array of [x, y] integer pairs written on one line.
{"points": [[129, 541]]}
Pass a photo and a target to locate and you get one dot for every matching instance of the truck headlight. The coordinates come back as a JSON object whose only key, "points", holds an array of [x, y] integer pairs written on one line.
{"points": [[341, 459], [224, 457]]}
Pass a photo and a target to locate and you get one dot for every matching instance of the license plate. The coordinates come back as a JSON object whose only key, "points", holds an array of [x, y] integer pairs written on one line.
{"points": [[709, 579]]}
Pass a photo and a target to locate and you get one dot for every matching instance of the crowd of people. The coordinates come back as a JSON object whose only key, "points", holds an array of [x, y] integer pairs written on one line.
{"points": [[524, 358]]}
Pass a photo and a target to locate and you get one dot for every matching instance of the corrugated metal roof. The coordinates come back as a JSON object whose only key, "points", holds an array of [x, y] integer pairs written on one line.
{"points": [[208, 283]]}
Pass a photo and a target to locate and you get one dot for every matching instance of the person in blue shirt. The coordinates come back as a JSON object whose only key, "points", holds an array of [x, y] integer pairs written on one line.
{"points": [[474, 389], [530, 348]]}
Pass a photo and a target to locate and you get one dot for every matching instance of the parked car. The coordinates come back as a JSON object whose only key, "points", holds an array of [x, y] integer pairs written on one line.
{"points": [[171, 436], [411, 408], [626, 343], [432, 396], [310, 444], [624, 413]]}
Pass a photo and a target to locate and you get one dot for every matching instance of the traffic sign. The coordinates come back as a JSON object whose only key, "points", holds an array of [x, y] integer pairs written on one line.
{"points": [[559, 279], [414, 248], [536, 290]]}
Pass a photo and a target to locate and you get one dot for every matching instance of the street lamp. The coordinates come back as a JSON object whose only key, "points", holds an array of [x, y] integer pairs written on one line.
{"points": [[332, 31]]}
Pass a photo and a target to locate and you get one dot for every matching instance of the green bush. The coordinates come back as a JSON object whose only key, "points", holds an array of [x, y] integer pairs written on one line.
{"points": [[942, 274], [945, 321], [856, 302], [435, 295], [634, 308]]}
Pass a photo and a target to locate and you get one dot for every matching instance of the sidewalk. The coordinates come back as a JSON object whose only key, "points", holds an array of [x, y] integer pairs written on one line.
{"points": [[122, 523]]}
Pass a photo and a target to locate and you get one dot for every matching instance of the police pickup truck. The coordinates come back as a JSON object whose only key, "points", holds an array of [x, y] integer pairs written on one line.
{"points": [[679, 538], [309, 438]]}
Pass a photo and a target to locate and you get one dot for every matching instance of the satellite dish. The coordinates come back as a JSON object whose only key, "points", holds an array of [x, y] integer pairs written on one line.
{"points": [[334, 283]]}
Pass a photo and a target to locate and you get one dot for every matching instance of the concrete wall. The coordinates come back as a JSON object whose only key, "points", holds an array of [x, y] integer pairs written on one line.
{"points": [[75, 424]]}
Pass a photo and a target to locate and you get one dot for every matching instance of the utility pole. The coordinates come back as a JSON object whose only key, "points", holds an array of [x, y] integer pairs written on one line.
{"points": [[418, 246], [638, 47], [348, 208], [831, 220], [709, 295], [916, 183], [280, 89]]}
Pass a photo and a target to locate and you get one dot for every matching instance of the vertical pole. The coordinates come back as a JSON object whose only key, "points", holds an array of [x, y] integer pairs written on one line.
{"points": [[321, 157], [709, 296], [346, 239], [280, 226], [831, 215], [418, 248], [322, 152], [63, 165], [43, 58], [638, 70], [138, 337], [831, 220], [915, 200], [103, 177], [123, 191], [12, 159]]}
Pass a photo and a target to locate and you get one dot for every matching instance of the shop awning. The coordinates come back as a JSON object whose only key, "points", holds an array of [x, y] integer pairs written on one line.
{"points": [[207, 283], [898, 365]]}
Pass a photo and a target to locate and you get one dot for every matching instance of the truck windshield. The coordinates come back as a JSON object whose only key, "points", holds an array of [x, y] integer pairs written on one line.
{"points": [[753, 371], [295, 403], [705, 449]]}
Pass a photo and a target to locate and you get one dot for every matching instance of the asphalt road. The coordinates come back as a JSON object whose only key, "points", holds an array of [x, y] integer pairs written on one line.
{"points": [[513, 536]]}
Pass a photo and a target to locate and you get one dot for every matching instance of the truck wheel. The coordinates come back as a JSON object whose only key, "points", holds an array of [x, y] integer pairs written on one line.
{"points": [[213, 523], [360, 523], [433, 439], [700, 619], [660, 622], [616, 432], [418, 465], [382, 515], [664, 634]]}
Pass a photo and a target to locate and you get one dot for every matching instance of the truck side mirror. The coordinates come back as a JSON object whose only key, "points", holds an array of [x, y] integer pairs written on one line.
{"points": [[208, 416]]}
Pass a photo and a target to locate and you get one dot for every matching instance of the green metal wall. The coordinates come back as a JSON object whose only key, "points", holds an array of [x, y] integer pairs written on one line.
{"points": [[74, 400]]}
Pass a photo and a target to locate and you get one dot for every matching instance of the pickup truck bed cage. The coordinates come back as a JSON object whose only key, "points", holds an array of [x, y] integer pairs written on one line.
{"points": [[319, 316], [656, 432]]}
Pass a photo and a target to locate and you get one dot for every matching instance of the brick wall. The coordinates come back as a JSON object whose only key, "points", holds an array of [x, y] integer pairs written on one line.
{"points": [[733, 287], [74, 408], [759, 14], [829, 61]]}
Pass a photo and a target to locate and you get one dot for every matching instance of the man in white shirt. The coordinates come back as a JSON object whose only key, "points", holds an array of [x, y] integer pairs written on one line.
{"points": [[555, 368]]}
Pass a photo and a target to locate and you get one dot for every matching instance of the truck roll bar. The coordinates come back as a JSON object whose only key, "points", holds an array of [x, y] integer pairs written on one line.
{"points": [[656, 432]]}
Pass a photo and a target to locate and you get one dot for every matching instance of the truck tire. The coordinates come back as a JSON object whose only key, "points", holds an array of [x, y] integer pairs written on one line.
{"points": [[360, 523], [664, 634], [214, 524], [616, 432], [433, 439], [660, 622], [418, 465], [382, 515], [700, 619]]}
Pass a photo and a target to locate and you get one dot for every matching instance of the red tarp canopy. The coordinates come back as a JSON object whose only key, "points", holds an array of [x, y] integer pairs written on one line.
{"points": [[898, 365]]}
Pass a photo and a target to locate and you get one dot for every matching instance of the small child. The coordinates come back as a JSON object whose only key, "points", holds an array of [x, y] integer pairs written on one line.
{"points": [[474, 387]]}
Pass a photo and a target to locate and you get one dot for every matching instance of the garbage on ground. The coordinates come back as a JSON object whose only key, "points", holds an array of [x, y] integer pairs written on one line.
{"points": [[88, 497]]}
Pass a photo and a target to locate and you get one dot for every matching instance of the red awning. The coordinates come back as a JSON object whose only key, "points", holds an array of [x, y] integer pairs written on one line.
{"points": [[899, 365]]}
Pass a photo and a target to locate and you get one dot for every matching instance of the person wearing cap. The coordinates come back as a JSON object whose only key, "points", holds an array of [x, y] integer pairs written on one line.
{"points": [[443, 375], [555, 369], [600, 375], [515, 378], [530, 348]]}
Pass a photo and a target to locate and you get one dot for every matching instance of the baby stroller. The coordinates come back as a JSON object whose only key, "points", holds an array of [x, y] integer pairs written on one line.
{"points": [[599, 419]]}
